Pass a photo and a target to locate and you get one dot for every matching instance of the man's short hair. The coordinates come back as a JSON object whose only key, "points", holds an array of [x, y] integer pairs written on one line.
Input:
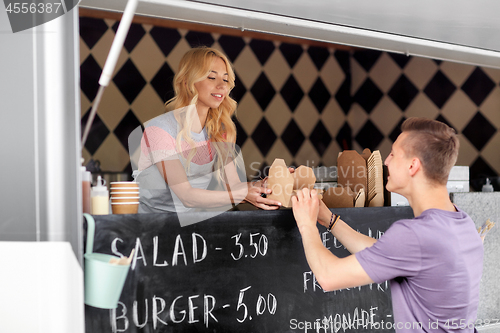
{"points": [[434, 143]]}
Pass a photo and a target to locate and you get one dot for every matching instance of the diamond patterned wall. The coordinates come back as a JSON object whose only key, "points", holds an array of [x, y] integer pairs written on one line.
{"points": [[388, 88], [296, 101]]}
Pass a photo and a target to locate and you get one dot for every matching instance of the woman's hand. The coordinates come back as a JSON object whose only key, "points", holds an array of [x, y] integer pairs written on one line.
{"points": [[255, 191], [305, 206], [260, 182], [254, 196]]}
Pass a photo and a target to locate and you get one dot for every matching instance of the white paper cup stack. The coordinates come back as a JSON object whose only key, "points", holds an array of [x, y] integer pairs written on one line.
{"points": [[124, 197]]}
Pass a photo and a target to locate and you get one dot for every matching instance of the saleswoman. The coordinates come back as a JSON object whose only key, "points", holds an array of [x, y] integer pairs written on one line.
{"points": [[193, 144]]}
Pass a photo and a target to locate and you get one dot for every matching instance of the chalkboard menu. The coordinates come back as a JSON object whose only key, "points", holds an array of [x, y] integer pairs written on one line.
{"points": [[241, 271]]}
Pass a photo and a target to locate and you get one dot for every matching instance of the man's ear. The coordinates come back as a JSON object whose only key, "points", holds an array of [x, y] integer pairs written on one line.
{"points": [[415, 166]]}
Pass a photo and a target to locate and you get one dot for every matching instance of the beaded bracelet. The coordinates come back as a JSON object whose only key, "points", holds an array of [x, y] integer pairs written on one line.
{"points": [[333, 221]]}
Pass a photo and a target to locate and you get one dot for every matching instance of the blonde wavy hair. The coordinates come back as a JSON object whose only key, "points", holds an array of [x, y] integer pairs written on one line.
{"points": [[194, 67]]}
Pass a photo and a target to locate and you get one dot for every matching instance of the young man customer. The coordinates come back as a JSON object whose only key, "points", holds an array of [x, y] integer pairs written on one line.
{"points": [[434, 261]]}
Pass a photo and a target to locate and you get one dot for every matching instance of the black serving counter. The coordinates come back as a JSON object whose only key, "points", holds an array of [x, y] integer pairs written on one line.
{"points": [[239, 271]]}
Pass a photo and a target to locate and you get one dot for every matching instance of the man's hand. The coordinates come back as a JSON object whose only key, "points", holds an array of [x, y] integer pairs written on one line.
{"points": [[305, 207], [324, 214]]}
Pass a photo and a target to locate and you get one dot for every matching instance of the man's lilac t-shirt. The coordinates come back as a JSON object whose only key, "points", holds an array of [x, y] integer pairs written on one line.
{"points": [[434, 263]]}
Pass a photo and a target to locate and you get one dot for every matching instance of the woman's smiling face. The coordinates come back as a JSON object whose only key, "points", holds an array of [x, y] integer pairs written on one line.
{"points": [[213, 89]]}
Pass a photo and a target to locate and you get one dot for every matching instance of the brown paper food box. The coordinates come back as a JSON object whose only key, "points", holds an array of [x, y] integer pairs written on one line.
{"points": [[339, 197], [352, 171], [284, 184], [351, 180], [366, 154], [343, 197]]}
